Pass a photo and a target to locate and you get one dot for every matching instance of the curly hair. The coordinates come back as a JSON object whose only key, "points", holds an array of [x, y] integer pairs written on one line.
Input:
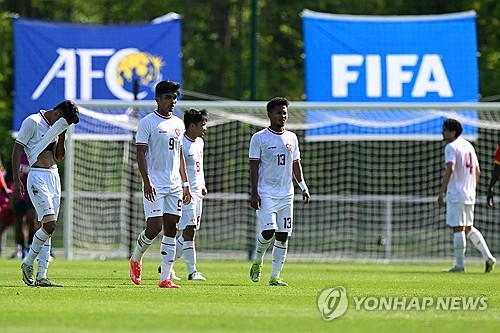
{"points": [[276, 101], [69, 110], [193, 116]]}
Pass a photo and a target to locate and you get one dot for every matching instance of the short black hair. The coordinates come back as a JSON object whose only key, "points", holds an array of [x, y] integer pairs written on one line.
{"points": [[167, 86], [451, 124], [276, 101], [193, 116], [69, 110]]}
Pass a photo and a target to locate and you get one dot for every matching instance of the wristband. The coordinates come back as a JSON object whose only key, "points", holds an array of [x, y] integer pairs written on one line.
{"points": [[303, 186], [185, 184]]}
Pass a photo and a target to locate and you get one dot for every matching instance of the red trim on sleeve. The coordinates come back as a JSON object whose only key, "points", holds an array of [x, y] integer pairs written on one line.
{"points": [[20, 143], [141, 144]]}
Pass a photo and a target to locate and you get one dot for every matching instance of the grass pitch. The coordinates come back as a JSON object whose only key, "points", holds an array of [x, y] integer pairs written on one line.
{"points": [[98, 296]]}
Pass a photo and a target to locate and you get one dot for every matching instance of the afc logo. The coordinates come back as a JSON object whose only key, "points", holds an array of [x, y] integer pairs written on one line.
{"points": [[122, 68]]}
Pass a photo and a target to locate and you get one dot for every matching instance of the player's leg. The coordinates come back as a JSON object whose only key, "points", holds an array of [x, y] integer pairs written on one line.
{"points": [[153, 214], [172, 213], [191, 221], [266, 216], [477, 239], [44, 191], [455, 219], [284, 221]]}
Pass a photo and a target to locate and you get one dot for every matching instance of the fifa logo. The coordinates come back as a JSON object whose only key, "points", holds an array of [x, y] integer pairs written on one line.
{"points": [[121, 69], [332, 303]]}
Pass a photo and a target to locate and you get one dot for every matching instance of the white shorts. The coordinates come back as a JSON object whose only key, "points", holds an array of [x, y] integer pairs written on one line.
{"points": [[459, 214], [191, 213], [44, 189], [276, 214], [167, 202]]}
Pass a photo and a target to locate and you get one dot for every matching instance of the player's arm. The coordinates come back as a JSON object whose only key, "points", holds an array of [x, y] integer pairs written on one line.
{"points": [[149, 189], [448, 172], [299, 178], [186, 194], [16, 170], [60, 147], [254, 181]]}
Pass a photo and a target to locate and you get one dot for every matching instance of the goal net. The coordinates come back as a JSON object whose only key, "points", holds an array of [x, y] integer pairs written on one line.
{"points": [[373, 172]]}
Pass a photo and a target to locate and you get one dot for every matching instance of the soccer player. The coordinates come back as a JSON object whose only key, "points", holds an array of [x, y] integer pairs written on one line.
{"points": [[196, 126], [165, 183], [274, 159], [42, 136], [495, 174], [459, 186]]}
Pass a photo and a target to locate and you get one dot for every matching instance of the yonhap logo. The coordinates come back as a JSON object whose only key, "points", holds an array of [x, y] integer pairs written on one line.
{"points": [[332, 303]]}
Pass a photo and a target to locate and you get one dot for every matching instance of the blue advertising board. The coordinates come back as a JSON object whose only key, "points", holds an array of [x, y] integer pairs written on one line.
{"points": [[58, 61], [399, 59]]}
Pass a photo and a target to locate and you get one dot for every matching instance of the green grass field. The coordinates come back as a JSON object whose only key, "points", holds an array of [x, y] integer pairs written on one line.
{"points": [[98, 296]]}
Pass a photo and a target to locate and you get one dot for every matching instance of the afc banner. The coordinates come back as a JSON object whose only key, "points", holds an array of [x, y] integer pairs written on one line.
{"points": [[58, 61], [399, 59]]}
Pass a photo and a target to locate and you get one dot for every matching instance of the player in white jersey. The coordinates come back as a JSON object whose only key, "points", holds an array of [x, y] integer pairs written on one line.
{"points": [[165, 183], [459, 187], [193, 144], [42, 137], [274, 162]]}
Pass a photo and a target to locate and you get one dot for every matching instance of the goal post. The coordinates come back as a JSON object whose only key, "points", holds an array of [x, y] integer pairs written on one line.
{"points": [[373, 171]]}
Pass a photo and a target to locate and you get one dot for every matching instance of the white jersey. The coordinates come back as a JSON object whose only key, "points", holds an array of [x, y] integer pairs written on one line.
{"points": [[276, 152], [32, 131], [193, 155], [462, 185], [163, 137]]}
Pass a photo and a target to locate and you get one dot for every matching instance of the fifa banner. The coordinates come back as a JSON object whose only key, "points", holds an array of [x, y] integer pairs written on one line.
{"points": [[58, 61], [400, 59]]}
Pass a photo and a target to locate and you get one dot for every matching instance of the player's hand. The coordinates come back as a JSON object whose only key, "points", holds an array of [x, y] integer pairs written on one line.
{"points": [[186, 195], [489, 199], [306, 197], [204, 191], [149, 191], [441, 201], [255, 201]]}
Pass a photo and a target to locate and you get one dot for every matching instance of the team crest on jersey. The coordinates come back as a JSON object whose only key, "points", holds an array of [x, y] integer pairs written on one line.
{"points": [[178, 132], [289, 146]]}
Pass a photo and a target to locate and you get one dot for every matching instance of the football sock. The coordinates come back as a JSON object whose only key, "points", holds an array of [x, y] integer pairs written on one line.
{"points": [[190, 256], [178, 247], [43, 260], [459, 248], [38, 240], [279, 256], [167, 251], [143, 243], [260, 248], [478, 240]]}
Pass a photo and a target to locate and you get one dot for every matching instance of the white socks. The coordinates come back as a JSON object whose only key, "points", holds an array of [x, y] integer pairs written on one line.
{"points": [[459, 248], [279, 256], [189, 250], [39, 240], [43, 260], [478, 240], [167, 251], [143, 243], [261, 248]]}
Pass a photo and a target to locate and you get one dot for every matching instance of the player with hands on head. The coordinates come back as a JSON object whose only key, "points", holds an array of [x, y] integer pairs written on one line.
{"points": [[495, 174], [274, 161], [459, 189], [42, 137], [165, 183]]}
